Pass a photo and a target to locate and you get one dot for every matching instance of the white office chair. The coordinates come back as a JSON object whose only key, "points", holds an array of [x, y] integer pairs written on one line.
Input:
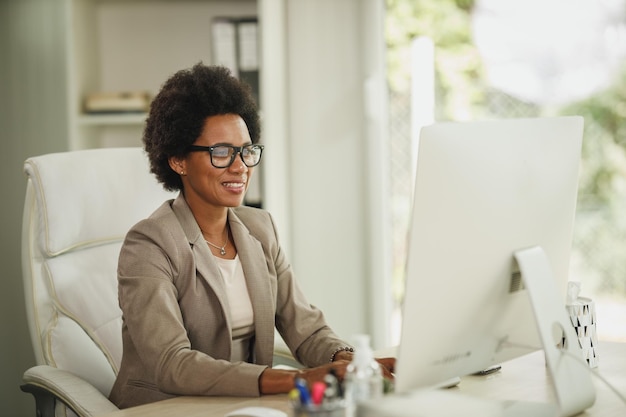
{"points": [[79, 206]]}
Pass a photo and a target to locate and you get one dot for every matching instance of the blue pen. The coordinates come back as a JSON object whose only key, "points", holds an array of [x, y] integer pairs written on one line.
{"points": [[305, 395]]}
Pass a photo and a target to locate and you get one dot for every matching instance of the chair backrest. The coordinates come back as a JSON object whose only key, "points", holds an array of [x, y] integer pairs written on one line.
{"points": [[79, 206]]}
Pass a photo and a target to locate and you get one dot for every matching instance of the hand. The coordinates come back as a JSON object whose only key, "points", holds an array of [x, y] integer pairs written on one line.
{"points": [[388, 366], [339, 366], [311, 375], [274, 381], [277, 381]]}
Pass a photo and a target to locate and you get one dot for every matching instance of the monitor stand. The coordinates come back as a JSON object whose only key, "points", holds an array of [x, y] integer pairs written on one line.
{"points": [[571, 380]]}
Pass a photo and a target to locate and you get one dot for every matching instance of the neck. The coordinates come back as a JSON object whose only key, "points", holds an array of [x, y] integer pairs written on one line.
{"points": [[212, 220], [214, 231]]}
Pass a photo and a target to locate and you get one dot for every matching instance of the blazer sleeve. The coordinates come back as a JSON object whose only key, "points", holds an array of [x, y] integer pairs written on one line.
{"points": [[302, 326]]}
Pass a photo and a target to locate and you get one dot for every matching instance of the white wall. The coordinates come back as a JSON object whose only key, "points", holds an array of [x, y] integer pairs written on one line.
{"points": [[336, 156]]}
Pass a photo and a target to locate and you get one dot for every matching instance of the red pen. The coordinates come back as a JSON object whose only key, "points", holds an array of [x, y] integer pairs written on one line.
{"points": [[317, 392]]}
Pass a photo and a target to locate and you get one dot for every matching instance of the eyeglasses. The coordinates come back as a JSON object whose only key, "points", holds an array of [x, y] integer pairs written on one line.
{"points": [[222, 156]]}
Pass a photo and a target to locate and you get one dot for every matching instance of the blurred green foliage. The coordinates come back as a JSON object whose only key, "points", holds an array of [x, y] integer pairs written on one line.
{"points": [[462, 93], [604, 163], [600, 235]]}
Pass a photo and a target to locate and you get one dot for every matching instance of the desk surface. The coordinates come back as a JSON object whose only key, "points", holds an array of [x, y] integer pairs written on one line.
{"points": [[522, 379]]}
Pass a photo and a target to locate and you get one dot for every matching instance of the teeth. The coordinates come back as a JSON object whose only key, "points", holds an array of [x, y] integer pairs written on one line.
{"points": [[234, 184]]}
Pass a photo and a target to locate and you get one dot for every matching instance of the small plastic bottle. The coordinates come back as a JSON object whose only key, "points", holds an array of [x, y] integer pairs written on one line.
{"points": [[364, 378]]}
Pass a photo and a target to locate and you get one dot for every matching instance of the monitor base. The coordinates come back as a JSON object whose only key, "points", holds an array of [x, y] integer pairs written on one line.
{"points": [[571, 379]]}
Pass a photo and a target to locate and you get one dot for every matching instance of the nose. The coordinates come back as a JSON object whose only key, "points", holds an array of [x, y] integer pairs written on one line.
{"points": [[238, 165]]}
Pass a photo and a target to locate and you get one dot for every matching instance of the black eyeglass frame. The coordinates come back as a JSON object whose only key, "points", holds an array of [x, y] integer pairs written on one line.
{"points": [[237, 150]]}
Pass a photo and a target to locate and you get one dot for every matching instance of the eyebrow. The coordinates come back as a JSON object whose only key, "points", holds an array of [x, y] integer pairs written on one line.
{"points": [[230, 144]]}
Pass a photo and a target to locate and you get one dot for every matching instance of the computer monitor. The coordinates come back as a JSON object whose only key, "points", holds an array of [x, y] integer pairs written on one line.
{"points": [[492, 197]]}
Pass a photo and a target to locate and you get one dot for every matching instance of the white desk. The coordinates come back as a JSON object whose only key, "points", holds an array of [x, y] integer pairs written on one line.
{"points": [[522, 379]]}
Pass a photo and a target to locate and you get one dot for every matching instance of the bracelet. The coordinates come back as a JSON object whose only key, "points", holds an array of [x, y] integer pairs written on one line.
{"points": [[341, 349]]}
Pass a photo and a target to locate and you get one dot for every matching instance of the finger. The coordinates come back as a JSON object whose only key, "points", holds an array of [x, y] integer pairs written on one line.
{"points": [[388, 363], [388, 373]]}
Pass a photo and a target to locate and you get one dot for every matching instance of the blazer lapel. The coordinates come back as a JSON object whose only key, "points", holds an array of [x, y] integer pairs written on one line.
{"points": [[255, 270], [205, 264]]}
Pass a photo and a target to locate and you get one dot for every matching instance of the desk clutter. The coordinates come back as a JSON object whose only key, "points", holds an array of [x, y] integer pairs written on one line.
{"points": [[331, 398], [322, 399]]}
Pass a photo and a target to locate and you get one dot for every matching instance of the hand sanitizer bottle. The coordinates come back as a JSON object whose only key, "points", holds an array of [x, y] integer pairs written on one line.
{"points": [[364, 378]]}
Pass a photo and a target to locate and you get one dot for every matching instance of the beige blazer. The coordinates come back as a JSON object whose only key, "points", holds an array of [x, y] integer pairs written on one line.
{"points": [[176, 332]]}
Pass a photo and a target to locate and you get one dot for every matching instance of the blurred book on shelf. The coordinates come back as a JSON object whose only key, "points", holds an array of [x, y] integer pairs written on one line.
{"points": [[117, 102], [235, 45]]}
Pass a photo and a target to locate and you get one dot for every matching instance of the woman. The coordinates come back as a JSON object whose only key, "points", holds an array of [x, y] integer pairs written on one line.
{"points": [[203, 281]]}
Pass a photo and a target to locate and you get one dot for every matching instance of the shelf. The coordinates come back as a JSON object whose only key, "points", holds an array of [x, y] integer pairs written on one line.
{"points": [[112, 119], [116, 46]]}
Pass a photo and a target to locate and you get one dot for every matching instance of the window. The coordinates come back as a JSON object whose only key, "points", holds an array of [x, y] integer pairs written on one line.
{"points": [[477, 59]]}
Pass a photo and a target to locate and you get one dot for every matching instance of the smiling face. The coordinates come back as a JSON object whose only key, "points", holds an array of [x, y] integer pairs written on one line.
{"points": [[206, 187]]}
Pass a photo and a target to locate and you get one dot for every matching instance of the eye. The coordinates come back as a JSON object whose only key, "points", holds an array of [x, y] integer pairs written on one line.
{"points": [[251, 150], [222, 151]]}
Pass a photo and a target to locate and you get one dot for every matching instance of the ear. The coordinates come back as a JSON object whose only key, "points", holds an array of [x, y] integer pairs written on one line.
{"points": [[177, 164]]}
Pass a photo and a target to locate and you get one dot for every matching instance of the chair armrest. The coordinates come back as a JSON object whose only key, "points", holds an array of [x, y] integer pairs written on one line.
{"points": [[49, 384]]}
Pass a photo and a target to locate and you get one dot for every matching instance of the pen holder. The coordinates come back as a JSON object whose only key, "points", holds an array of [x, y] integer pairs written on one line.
{"points": [[582, 313], [332, 409]]}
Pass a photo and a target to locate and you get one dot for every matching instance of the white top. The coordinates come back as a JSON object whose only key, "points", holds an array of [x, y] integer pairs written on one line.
{"points": [[242, 316], [238, 297]]}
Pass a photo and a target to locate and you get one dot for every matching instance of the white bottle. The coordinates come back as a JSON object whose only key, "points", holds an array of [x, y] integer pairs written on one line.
{"points": [[364, 378]]}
